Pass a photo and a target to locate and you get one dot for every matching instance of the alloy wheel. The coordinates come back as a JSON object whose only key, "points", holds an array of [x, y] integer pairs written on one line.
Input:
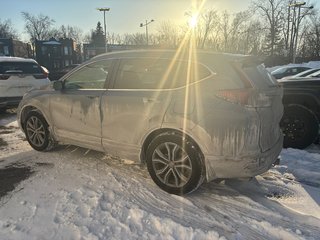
{"points": [[171, 164], [35, 131]]}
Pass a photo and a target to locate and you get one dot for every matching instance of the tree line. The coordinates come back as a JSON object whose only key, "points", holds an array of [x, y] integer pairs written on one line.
{"points": [[273, 28]]}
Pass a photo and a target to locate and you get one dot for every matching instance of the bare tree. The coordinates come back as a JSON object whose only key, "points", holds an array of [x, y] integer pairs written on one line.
{"points": [[311, 38], [138, 38], [68, 31], [7, 30], [38, 27], [208, 21], [232, 29], [271, 12], [225, 28], [114, 38], [167, 34]]}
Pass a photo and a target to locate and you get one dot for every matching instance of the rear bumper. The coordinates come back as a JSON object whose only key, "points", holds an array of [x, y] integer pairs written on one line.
{"points": [[243, 166], [9, 101]]}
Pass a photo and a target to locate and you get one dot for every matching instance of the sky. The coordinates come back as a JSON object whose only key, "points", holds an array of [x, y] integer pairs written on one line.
{"points": [[124, 16]]}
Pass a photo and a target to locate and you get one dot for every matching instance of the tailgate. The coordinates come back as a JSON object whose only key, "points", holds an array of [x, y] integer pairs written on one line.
{"points": [[270, 117], [268, 103]]}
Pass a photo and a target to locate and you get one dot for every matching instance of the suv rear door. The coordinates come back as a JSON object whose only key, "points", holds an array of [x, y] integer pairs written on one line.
{"points": [[135, 105]]}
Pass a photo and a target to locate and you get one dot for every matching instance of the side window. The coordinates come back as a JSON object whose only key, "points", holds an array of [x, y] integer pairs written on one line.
{"points": [[91, 76], [150, 73], [295, 70], [139, 74]]}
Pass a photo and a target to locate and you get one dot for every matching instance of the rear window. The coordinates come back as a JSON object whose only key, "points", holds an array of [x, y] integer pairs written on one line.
{"points": [[19, 68]]}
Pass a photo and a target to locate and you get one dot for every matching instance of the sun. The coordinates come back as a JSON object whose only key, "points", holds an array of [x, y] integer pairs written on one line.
{"points": [[193, 21]]}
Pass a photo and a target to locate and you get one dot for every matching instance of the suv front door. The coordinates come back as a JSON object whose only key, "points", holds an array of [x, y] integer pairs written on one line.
{"points": [[75, 109]]}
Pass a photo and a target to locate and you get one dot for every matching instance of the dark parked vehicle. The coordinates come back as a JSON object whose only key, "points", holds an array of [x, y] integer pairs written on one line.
{"points": [[287, 71], [300, 122], [189, 119]]}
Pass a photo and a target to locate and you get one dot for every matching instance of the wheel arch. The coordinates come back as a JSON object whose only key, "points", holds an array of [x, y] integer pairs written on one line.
{"points": [[161, 131], [25, 111], [304, 100]]}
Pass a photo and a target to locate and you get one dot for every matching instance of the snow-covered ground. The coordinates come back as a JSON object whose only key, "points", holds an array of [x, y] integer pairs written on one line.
{"points": [[74, 193]]}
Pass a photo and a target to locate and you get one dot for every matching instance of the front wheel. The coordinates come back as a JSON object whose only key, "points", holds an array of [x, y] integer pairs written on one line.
{"points": [[37, 133], [174, 163], [300, 126]]}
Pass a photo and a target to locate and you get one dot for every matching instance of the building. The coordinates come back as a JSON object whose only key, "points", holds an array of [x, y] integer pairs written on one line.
{"points": [[56, 54], [90, 50], [14, 48]]}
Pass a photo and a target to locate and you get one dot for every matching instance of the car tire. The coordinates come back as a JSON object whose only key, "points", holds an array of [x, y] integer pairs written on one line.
{"points": [[37, 132], [300, 126], [175, 163]]}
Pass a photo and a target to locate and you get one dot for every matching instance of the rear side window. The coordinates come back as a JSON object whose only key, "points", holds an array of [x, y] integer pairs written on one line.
{"points": [[146, 73], [19, 68], [91, 76]]}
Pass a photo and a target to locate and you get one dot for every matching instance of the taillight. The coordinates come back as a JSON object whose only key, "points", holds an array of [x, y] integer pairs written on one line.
{"points": [[238, 96], [4, 76], [40, 76], [44, 74], [246, 97]]}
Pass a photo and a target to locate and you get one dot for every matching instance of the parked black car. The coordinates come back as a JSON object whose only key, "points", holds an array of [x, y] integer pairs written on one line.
{"points": [[287, 71], [300, 122]]}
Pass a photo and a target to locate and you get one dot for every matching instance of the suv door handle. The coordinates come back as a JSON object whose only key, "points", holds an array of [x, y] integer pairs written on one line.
{"points": [[150, 100], [92, 97]]}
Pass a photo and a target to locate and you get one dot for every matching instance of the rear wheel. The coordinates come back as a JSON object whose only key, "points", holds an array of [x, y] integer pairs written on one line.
{"points": [[37, 133], [174, 164], [300, 126]]}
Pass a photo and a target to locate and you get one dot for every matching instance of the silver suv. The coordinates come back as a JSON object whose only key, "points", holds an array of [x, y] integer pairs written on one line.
{"points": [[190, 117], [17, 76]]}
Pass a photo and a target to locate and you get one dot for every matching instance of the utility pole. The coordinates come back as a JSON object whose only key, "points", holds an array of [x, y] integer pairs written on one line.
{"points": [[104, 10], [296, 22], [146, 25]]}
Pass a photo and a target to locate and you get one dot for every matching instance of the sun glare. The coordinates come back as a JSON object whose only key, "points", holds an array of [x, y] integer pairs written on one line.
{"points": [[193, 21]]}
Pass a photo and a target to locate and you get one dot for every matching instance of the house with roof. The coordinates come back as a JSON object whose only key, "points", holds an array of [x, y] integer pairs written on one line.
{"points": [[14, 48], [55, 54]]}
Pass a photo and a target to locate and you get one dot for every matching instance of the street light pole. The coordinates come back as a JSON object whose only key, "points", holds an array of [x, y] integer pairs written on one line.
{"points": [[146, 25], [104, 10], [298, 19]]}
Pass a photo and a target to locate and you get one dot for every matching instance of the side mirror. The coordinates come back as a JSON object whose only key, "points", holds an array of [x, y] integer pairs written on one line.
{"points": [[57, 85]]}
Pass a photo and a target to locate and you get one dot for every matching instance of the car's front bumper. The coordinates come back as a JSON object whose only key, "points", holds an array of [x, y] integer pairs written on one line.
{"points": [[243, 166]]}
